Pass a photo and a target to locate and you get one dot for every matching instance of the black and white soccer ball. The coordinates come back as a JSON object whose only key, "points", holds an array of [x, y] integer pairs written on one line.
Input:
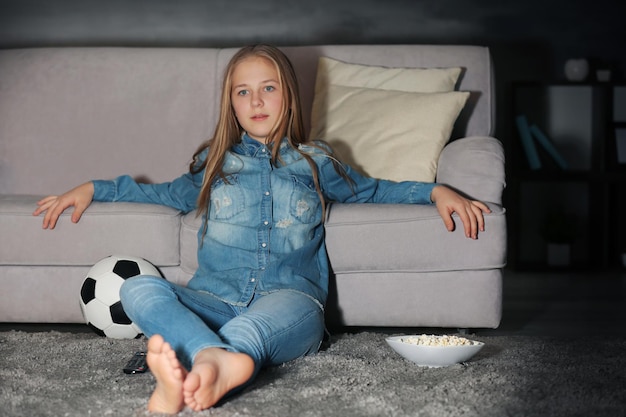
{"points": [[100, 295]]}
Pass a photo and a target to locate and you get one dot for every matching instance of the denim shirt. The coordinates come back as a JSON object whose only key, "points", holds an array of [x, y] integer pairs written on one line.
{"points": [[264, 231]]}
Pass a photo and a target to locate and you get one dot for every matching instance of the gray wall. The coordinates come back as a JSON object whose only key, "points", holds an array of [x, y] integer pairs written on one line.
{"points": [[560, 28]]}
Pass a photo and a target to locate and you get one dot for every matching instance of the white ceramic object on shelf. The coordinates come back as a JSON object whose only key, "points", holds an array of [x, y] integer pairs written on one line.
{"points": [[576, 69]]}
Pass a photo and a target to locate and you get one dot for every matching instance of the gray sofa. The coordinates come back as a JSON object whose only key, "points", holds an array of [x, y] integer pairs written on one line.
{"points": [[68, 115]]}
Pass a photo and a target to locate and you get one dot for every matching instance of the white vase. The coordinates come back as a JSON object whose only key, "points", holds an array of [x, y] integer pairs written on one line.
{"points": [[576, 69]]}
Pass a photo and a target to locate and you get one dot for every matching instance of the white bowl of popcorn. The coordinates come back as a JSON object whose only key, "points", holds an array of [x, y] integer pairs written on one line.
{"points": [[434, 351]]}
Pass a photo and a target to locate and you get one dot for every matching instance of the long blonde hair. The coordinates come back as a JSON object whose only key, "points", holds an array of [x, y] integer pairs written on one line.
{"points": [[228, 130]]}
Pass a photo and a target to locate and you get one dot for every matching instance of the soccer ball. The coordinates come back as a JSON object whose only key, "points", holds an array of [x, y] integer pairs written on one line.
{"points": [[100, 295]]}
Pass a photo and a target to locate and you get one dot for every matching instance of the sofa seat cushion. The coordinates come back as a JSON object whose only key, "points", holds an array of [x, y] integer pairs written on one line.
{"points": [[146, 230], [381, 238], [359, 238]]}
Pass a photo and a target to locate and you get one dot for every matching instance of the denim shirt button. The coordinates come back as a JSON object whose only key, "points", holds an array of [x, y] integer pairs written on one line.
{"points": [[266, 222], [267, 193], [252, 280], [263, 244]]}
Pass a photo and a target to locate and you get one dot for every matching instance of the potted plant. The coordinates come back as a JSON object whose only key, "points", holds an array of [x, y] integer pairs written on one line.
{"points": [[559, 231]]}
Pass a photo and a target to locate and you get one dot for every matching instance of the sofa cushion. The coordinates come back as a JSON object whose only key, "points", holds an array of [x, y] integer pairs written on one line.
{"points": [[358, 235], [388, 134], [359, 238], [146, 230]]}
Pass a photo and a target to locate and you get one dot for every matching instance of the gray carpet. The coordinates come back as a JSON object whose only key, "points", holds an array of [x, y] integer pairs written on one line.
{"points": [[79, 374]]}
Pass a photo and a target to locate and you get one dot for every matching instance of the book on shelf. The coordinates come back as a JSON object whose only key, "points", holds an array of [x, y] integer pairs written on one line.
{"points": [[547, 145], [527, 142], [530, 135]]}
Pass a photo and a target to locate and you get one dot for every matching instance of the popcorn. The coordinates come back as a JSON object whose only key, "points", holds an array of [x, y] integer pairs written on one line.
{"points": [[439, 341]]}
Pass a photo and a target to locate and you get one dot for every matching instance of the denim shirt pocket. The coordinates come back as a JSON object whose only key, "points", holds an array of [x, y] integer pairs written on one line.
{"points": [[227, 198], [304, 204]]}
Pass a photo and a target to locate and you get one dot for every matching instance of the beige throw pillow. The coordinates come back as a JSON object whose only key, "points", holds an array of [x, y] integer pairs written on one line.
{"points": [[387, 134], [362, 112], [419, 80]]}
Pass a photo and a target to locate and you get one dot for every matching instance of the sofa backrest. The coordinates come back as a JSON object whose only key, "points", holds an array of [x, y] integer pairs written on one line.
{"points": [[68, 115]]}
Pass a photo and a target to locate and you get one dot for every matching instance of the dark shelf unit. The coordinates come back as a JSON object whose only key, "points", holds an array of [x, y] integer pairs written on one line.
{"points": [[593, 187]]}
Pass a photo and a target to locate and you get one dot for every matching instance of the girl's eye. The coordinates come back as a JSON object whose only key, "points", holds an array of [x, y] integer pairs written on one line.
{"points": [[242, 92], [269, 88]]}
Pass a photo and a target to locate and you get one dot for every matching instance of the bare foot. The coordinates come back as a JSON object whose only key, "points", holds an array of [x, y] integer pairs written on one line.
{"points": [[170, 375], [214, 373]]}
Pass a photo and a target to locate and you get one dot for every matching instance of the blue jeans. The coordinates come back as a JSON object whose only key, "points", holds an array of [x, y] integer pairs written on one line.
{"points": [[274, 328]]}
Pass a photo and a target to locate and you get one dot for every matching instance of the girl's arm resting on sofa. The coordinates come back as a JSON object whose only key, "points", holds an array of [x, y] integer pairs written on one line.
{"points": [[80, 198], [471, 212], [181, 194], [369, 190]]}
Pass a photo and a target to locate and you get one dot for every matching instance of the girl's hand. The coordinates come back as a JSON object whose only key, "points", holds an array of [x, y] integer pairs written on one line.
{"points": [[79, 197], [471, 212]]}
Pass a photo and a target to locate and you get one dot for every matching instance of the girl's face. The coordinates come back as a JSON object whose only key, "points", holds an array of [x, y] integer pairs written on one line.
{"points": [[257, 96]]}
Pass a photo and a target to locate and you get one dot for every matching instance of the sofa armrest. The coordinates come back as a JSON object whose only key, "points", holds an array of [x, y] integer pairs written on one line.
{"points": [[474, 166]]}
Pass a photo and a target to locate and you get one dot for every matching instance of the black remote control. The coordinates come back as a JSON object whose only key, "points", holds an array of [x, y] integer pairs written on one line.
{"points": [[137, 364]]}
